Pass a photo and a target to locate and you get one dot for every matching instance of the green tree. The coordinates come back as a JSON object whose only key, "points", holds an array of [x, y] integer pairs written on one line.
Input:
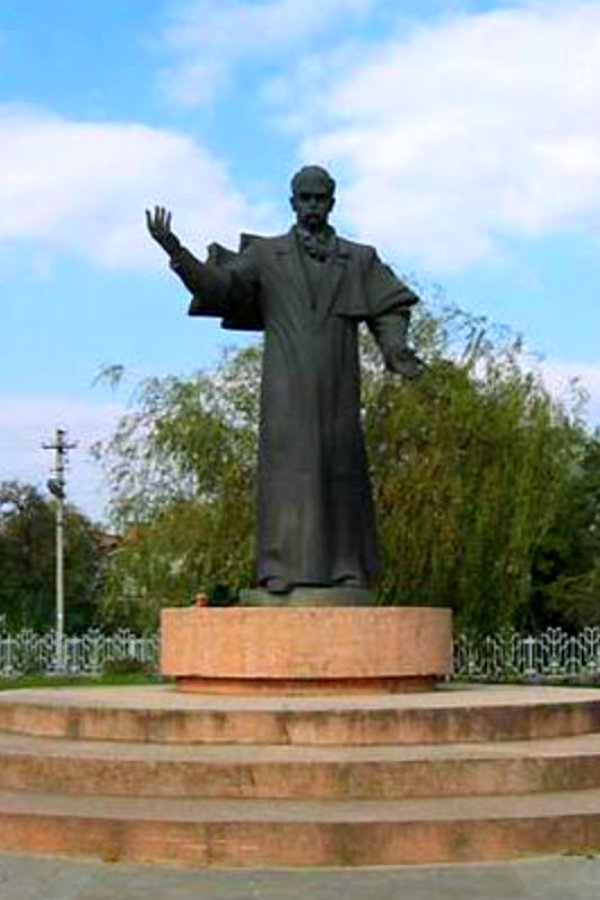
{"points": [[182, 468], [566, 568], [471, 464], [27, 561]]}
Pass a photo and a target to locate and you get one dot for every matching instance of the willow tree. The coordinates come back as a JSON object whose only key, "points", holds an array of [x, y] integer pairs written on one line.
{"points": [[470, 464], [180, 467]]}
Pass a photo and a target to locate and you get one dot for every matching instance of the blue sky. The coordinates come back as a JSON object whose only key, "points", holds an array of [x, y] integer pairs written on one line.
{"points": [[465, 138]]}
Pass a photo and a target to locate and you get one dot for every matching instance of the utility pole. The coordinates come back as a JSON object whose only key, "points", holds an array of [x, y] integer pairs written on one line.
{"points": [[56, 486]]}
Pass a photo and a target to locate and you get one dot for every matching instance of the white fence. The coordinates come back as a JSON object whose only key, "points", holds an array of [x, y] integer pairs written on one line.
{"points": [[86, 654], [510, 655], [499, 657]]}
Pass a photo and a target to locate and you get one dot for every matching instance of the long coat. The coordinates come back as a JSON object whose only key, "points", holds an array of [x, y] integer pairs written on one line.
{"points": [[316, 524]]}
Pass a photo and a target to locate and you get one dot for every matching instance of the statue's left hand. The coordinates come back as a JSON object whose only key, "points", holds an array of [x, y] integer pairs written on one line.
{"points": [[404, 362]]}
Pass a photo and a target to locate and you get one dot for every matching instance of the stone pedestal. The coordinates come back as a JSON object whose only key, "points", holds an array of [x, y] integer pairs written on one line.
{"points": [[245, 650]]}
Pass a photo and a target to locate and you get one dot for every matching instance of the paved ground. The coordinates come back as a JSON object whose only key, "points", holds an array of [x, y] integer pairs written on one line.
{"points": [[38, 878]]}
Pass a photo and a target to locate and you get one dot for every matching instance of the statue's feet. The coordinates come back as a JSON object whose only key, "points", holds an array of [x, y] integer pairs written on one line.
{"points": [[276, 585], [351, 581]]}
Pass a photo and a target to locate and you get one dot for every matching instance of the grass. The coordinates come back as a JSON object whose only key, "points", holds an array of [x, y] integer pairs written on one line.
{"points": [[106, 679], [138, 676]]}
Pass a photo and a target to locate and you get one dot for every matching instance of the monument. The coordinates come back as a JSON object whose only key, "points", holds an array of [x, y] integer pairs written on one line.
{"points": [[308, 290], [147, 775]]}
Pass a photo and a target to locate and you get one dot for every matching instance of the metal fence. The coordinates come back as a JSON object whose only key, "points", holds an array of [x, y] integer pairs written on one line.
{"points": [[551, 654], [509, 655], [90, 653]]}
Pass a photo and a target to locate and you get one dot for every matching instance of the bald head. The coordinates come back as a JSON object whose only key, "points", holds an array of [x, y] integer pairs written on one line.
{"points": [[313, 173]]}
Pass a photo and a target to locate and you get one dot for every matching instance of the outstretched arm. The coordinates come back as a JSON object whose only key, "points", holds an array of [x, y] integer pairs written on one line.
{"points": [[209, 288], [216, 289]]}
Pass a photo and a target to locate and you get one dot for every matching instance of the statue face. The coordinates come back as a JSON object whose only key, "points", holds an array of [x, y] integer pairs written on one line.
{"points": [[312, 202]]}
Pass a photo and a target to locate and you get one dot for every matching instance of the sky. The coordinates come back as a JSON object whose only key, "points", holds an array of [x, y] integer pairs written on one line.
{"points": [[464, 138]]}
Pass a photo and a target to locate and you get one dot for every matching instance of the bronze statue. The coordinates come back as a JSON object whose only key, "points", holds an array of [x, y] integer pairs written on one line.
{"points": [[308, 290]]}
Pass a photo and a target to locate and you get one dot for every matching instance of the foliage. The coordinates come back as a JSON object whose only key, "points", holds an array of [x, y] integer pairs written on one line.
{"points": [[182, 467], [27, 561], [472, 465], [566, 571]]}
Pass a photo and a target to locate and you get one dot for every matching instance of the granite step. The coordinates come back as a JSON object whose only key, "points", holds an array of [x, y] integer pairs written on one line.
{"points": [[300, 833], [64, 766], [158, 714]]}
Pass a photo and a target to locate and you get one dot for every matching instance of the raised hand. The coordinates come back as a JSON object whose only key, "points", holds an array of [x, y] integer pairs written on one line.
{"points": [[159, 226]]}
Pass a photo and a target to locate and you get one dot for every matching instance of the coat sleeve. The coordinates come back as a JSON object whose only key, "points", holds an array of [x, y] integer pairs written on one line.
{"points": [[390, 302], [385, 292], [228, 288]]}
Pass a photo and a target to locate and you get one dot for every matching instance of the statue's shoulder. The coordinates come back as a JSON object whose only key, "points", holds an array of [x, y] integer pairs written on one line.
{"points": [[221, 256], [260, 241], [356, 249]]}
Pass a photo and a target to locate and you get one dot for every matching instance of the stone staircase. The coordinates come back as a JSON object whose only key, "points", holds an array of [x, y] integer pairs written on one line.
{"points": [[149, 774]]}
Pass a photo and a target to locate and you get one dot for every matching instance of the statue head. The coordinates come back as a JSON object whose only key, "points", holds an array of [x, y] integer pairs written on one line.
{"points": [[313, 197]]}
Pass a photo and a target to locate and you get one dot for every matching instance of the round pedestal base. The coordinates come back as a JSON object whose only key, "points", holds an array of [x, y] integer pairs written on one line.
{"points": [[312, 686], [275, 650]]}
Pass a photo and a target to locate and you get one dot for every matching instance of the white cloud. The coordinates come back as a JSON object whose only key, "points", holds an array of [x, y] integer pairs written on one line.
{"points": [[210, 39], [83, 187], [461, 134], [559, 375], [28, 421]]}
